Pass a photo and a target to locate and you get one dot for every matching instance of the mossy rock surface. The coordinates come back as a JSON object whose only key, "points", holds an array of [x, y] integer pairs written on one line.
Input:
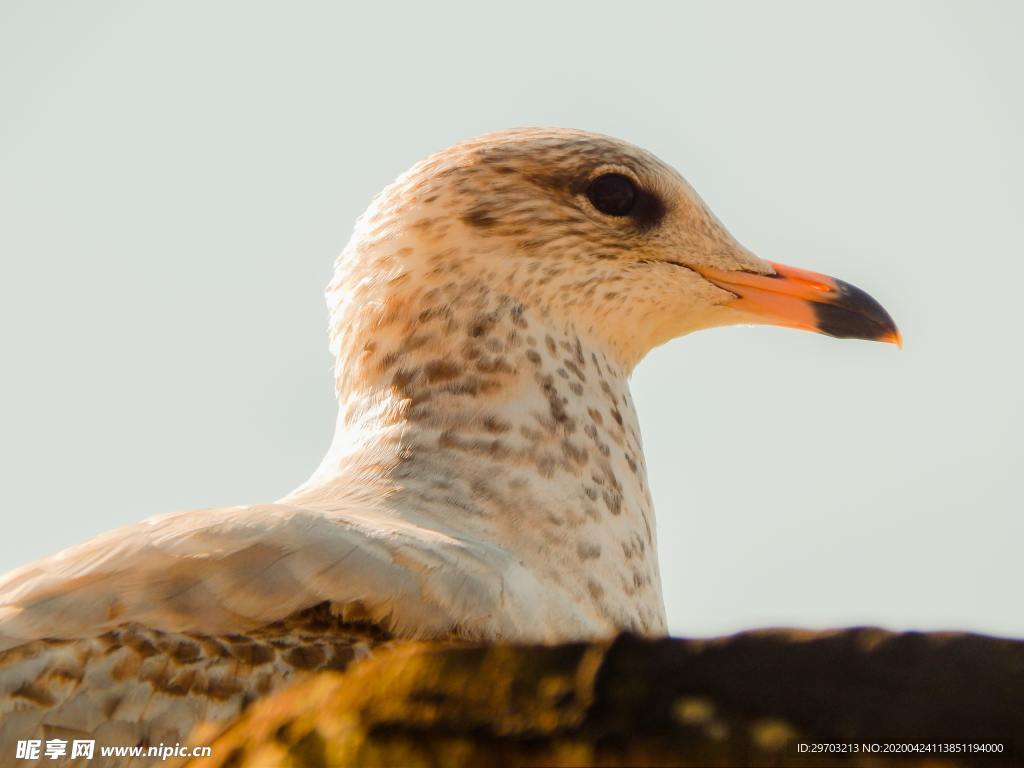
{"points": [[748, 699]]}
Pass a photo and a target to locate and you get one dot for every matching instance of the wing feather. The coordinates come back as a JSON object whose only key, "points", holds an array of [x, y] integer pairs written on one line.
{"points": [[219, 571]]}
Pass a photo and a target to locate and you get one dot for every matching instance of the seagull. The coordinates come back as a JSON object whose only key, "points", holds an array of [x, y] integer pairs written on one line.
{"points": [[486, 481]]}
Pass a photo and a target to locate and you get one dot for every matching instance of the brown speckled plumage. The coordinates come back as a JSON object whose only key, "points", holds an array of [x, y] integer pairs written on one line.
{"points": [[137, 685]]}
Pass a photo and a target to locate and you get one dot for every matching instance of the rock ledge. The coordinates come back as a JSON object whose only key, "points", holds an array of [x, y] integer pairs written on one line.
{"points": [[747, 699]]}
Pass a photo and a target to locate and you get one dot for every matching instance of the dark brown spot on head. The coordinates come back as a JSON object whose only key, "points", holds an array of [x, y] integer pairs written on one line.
{"points": [[480, 217], [441, 370]]}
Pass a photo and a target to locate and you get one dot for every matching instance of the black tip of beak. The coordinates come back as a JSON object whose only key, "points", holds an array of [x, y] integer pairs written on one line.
{"points": [[854, 314]]}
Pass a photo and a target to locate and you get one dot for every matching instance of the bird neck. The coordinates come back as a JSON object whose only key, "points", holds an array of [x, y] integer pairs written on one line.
{"points": [[483, 420]]}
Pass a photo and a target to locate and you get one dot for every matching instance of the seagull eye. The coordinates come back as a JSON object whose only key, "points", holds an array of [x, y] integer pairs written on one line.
{"points": [[613, 194]]}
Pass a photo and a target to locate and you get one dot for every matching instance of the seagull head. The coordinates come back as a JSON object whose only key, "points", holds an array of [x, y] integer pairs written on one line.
{"points": [[598, 234], [485, 316]]}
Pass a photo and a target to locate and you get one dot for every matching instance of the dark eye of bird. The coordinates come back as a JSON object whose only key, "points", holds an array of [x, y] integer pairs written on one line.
{"points": [[613, 194]]}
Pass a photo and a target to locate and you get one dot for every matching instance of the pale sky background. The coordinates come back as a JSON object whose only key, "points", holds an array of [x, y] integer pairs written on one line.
{"points": [[176, 178]]}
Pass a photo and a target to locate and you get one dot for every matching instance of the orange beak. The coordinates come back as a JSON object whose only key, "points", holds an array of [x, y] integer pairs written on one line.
{"points": [[797, 298]]}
